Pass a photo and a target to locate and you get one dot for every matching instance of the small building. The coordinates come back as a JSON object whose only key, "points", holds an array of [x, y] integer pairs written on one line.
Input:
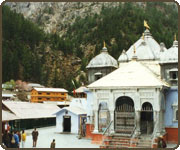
{"points": [[70, 119], [48, 94], [34, 85], [79, 93], [8, 96], [30, 115]]}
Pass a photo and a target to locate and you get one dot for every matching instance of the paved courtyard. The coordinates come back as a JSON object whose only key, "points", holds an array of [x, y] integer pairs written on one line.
{"points": [[46, 135]]}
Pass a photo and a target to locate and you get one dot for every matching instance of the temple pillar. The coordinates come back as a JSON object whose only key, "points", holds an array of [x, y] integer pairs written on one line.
{"points": [[96, 122], [137, 122]]}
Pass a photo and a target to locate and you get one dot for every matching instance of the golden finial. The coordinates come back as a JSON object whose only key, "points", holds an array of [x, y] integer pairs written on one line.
{"points": [[175, 37], [104, 44], [143, 36], [134, 49], [146, 25]]}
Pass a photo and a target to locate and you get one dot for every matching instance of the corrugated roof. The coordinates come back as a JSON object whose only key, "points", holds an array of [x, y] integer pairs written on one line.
{"points": [[26, 110], [50, 89], [133, 74], [74, 109], [7, 116]]}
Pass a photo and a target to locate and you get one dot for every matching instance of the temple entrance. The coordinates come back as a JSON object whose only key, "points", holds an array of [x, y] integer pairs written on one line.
{"points": [[67, 124], [124, 115], [147, 118]]}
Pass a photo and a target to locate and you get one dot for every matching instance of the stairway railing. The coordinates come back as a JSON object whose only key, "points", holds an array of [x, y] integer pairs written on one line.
{"points": [[107, 129]]}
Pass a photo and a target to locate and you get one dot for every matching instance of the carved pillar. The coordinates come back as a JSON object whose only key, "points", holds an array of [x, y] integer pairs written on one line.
{"points": [[96, 122], [112, 118], [137, 122], [157, 123]]}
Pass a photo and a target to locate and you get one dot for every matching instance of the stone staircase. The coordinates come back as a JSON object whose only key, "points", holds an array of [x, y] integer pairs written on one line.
{"points": [[125, 141], [144, 142], [116, 141]]}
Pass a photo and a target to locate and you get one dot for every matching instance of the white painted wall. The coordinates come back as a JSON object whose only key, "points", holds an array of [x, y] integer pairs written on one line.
{"points": [[74, 122]]}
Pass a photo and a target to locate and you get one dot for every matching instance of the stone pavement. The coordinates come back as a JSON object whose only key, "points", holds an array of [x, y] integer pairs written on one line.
{"points": [[47, 134]]}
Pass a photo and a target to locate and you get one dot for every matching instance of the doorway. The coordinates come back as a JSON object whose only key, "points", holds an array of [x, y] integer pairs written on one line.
{"points": [[147, 119], [124, 115], [66, 123]]}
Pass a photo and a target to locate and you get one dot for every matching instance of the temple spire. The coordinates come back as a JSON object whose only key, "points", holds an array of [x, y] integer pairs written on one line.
{"points": [[104, 44]]}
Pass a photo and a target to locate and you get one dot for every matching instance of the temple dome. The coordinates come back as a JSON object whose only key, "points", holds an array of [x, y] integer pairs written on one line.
{"points": [[103, 60], [146, 48], [170, 55], [123, 57]]}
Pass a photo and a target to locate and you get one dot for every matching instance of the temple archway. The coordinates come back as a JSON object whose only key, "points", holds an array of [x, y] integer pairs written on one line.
{"points": [[147, 118], [124, 115]]}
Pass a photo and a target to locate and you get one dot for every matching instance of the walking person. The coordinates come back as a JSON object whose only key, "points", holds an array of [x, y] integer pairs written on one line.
{"points": [[35, 137], [23, 138], [53, 144]]}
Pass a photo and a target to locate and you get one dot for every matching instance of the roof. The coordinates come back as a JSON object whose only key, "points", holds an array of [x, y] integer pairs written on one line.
{"points": [[103, 60], [74, 109], [8, 95], [170, 55], [146, 48], [7, 116], [50, 90], [35, 85], [133, 74], [80, 89], [123, 57], [26, 110]]}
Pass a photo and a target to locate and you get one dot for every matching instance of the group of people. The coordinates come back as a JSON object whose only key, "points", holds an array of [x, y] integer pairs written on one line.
{"points": [[13, 139]]}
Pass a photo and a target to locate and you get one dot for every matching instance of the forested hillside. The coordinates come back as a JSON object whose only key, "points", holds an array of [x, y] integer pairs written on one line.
{"points": [[32, 55]]}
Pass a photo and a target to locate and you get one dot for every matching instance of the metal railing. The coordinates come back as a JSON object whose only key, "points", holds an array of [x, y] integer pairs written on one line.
{"points": [[107, 129]]}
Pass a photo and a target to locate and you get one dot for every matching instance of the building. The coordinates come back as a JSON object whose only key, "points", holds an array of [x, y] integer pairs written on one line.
{"points": [[139, 99], [48, 94], [25, 115], [7, 96], [70, 119], [101, 65], [79, 93]]}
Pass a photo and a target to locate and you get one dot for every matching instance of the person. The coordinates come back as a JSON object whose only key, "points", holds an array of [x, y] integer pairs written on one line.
{"points": [[16, 138], [6, 139], [23, 138], [19, 135], [35, 137], [53, 144], [12, 140], [84, 128], [161, 142]]}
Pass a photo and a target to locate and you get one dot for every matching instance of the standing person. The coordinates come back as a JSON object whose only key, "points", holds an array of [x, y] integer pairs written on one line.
{"points": [[16, 138], [23, 139], [53, 144], [19, 135], [35, 137], [6, 139], [12, 140]]}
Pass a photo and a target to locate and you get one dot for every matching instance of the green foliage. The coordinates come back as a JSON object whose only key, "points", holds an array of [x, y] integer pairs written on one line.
{"points": [[124, 23]]}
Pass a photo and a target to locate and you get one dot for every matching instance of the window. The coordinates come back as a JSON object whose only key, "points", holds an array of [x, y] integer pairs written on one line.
{"points": [[39, 98], [175, 111], [62, 93], [39, 93], [48, 93], [173, 74]]}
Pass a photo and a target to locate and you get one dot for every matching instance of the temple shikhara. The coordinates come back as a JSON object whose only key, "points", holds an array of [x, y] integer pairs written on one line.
{"points": [[134, 100]]}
